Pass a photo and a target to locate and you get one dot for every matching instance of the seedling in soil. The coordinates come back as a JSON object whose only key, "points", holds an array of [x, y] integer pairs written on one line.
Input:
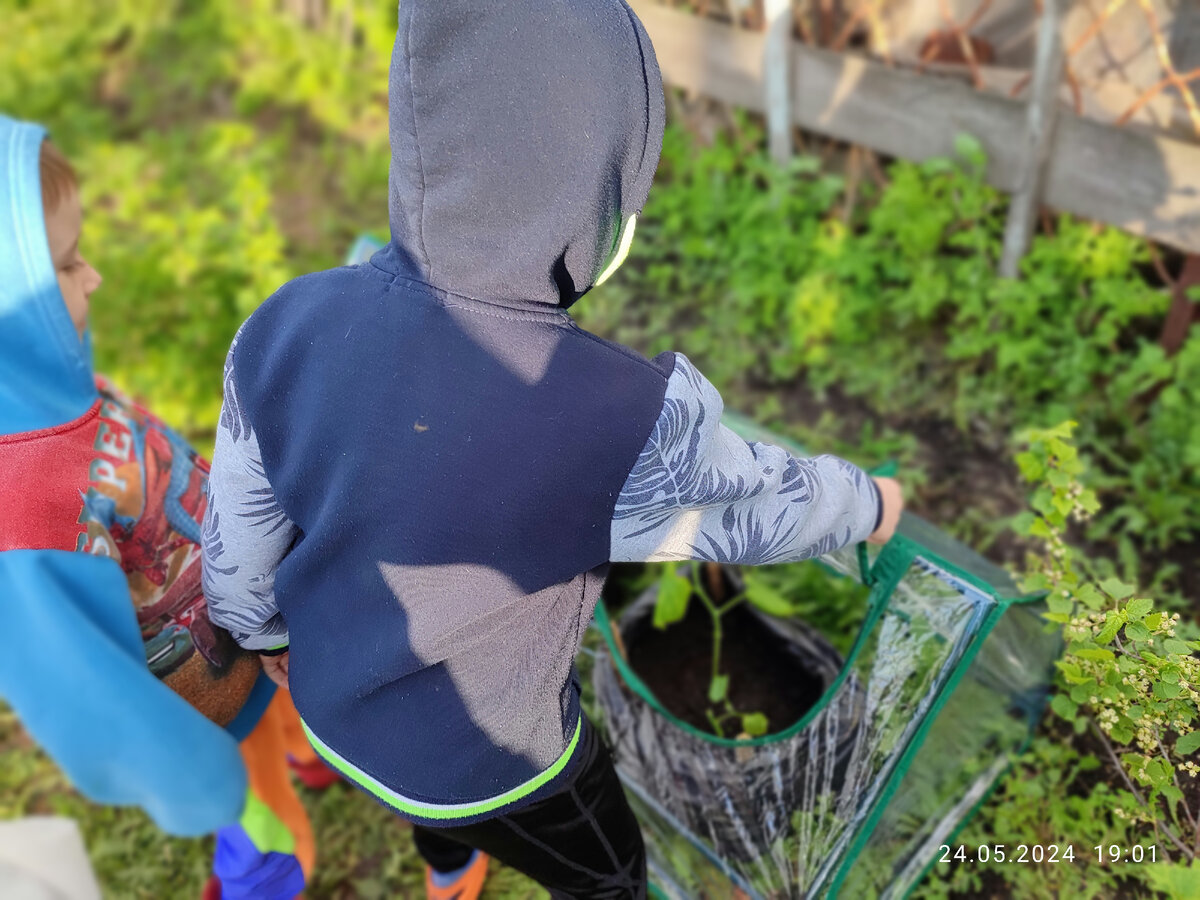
{"points": [[676, 587]]}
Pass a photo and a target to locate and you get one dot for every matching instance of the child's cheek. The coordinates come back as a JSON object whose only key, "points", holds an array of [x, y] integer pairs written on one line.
{"points": [[75, 300]]}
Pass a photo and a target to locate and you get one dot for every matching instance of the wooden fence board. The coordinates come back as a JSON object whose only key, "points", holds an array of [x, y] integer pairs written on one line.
{"points": [[1145, 183]]}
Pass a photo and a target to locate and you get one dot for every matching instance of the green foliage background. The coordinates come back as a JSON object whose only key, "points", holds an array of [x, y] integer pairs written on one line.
{"points": [[229, 145]]}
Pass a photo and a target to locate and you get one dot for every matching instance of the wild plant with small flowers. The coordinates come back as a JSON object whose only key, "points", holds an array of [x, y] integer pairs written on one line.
{"points": [[1127, 674]]}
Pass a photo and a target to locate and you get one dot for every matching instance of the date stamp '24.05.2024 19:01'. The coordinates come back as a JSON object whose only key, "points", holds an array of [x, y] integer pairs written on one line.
{"points": [[1104, 854]]}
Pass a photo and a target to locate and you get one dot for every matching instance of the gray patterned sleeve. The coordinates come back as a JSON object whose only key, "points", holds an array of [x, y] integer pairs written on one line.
{"points": [[246, 533], [698, 491]]}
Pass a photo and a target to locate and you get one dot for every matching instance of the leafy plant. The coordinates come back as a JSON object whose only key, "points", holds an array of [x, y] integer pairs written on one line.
{"points": [[1054, 795], [1130, 675], [675, 590], [835, 606]]}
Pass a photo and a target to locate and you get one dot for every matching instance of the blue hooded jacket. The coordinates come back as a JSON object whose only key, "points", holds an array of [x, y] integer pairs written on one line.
{"points": [[73, 656]]}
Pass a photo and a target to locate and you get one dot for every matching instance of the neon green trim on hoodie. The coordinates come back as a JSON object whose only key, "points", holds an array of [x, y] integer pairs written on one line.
{"points": [[442, 811]]}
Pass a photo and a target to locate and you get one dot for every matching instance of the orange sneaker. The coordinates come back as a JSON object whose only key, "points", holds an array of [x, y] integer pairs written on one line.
{"points": [[468, 885]]}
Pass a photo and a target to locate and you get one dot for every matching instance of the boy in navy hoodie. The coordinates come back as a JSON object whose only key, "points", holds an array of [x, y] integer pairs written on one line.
{"points": [[424, 467]]}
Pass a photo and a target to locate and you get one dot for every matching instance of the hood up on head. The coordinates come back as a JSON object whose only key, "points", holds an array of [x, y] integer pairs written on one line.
{"points": [[45, 370], [524, 135]]}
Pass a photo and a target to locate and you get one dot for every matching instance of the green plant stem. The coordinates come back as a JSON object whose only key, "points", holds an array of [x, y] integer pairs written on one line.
{"points": [[698, 586], [1137, 795], [730, 605], [716, 620], [1130, 653], [715, 723], [1162, 751]]}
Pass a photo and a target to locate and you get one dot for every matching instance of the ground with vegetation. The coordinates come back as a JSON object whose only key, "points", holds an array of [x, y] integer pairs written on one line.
{"points": [[230, 145]]}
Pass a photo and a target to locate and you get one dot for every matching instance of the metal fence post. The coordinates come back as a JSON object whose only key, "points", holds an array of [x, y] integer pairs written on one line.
{"points": [[1039, 139], [777, 71]]}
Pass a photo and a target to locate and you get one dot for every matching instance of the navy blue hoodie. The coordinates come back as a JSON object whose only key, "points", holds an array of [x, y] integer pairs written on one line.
{"points": [[424, 467]]}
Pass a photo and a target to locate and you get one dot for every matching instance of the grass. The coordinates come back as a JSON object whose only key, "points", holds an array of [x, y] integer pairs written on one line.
{"points": [[364, 851]]}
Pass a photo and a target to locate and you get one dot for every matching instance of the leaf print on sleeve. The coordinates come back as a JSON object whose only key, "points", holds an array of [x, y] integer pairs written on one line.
{"points": [[246, 534], [698, 491], [233, 420]]}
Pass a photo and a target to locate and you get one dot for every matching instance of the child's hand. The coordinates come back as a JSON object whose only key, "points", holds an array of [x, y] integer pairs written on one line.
{"points": [[893, 504], [276, 668]]}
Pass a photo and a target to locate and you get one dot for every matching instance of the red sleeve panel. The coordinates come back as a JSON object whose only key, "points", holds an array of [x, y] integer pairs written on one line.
{"points": [[44, 477]]}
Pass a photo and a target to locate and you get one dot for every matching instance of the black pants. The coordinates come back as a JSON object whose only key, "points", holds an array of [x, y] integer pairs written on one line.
{"points": [[582, 843]]}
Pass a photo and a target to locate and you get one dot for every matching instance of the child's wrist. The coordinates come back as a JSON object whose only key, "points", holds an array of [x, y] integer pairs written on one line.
{"points": [[878, 506]]}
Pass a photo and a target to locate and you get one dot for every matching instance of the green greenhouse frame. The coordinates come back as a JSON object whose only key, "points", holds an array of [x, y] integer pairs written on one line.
{"points": [[980, 665]]}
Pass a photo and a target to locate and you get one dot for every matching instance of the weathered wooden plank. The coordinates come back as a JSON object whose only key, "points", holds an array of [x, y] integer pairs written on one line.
{"points": [[716, 60], [904, 114], [1145, 183]]}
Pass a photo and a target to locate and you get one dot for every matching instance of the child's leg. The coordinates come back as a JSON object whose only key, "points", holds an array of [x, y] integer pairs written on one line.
{"points": [[583, 843], [275, 863], [302, 758], [265, 752], [442, 852]]}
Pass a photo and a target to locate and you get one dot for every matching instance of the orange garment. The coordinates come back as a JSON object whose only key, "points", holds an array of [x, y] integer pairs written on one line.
{"points": [[298, 747], [265, 752]]}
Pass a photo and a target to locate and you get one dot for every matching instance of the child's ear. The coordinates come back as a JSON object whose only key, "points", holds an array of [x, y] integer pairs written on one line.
{"points": [[624, 242]]}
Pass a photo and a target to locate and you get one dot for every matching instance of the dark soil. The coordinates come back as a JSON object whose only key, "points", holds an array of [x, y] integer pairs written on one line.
{"points": [[765, 675]]}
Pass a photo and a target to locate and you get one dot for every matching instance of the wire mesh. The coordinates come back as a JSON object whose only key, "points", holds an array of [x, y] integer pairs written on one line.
{"points": [[1129, 62]]}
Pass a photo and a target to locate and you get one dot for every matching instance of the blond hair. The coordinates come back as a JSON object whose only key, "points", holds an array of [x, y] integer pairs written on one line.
{"points": [[58, 178]]}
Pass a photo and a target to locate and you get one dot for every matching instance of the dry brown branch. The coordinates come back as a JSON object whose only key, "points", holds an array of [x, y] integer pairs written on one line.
{"points": [[847, 30], [1096, 25], [853, 177], [979, 13], [1154, 91], [1173, 77], [960, 33], [1160, 267], [801, 26], [1076, 91], [1080, 43]]}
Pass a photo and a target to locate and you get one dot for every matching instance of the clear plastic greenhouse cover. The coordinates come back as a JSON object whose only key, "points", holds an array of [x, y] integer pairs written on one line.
{"points": [[944, 684]]}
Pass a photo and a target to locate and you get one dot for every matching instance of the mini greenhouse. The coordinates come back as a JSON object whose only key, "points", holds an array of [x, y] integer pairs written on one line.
{"points": [[944, 683]]}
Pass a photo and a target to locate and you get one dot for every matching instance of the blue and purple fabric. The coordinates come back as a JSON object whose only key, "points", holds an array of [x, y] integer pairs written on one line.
{"points": [[254, 859], [103, 622]]}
